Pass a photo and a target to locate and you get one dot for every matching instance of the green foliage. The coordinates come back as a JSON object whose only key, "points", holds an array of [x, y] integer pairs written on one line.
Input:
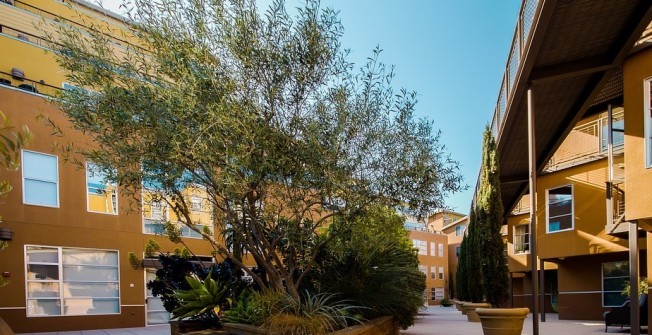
{"points": [[204, 299], [451, 287], [263, 112], [482, 268], [372, 263], [11, 142], [461, 281], [283, 314], [643, 287], [473, 260], [495, 273], [135, 262]]}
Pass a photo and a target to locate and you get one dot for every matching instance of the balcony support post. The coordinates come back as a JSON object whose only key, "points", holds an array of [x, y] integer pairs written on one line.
{"points": [[634, 309], [533, 212]]}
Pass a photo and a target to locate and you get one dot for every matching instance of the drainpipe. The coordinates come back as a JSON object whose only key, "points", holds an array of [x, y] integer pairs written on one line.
{"points": [[533, 211]]}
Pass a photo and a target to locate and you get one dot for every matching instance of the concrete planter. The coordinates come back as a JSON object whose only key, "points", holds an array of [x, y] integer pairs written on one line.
{"points": [[380, 326], [469, 310], [502, 321]]}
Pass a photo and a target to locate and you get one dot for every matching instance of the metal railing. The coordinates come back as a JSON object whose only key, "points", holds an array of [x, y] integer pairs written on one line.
{"points": [[28, 85], [519, 43], [585, 143], [25, 36]]}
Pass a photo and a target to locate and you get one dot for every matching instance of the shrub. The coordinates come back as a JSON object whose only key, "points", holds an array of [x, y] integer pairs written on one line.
{"points": [[204, 300]]}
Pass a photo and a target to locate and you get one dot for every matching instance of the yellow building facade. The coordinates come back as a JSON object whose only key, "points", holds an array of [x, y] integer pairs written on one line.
{"points": [[73, 230]]}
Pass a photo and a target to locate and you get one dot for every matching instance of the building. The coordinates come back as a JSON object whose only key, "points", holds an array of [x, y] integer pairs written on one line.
{"points": [[455, 232], [61, 279], [584, 84], [432, 248]]}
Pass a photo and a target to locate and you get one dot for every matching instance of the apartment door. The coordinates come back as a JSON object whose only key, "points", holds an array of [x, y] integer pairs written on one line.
{"points": [[156, 314]]}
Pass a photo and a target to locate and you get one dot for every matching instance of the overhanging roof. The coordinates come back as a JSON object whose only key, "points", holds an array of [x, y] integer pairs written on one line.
{"points": [[572, 61]]}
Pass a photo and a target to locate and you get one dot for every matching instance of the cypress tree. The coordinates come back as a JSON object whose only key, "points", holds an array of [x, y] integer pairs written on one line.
{"points": [[490, 219], [461, 279], [473, 259]]}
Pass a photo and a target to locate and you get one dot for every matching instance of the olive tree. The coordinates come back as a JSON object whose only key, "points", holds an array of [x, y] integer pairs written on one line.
{"points": [[261, 111]]}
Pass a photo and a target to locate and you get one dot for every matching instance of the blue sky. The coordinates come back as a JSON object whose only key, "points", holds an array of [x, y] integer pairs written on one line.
{"points": [[451, 52]]}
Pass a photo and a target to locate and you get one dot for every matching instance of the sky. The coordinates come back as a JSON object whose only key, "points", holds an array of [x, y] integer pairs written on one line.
{"points": [[451, 52]]}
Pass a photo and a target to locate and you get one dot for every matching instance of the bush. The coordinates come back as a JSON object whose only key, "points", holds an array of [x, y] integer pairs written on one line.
{"points": [[373, 264], [281, 314], [172, 276]]}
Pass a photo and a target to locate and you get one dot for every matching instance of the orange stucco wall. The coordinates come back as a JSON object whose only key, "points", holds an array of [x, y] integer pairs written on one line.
{"points": [[638, 177]]}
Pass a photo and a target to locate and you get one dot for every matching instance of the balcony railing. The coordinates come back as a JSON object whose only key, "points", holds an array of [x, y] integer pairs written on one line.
{"points": [[587, 142], [519, 43], [27, 85]]}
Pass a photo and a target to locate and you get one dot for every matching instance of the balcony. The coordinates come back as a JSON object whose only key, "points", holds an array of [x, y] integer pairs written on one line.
{"points": [[587, 142], [8, 80]]}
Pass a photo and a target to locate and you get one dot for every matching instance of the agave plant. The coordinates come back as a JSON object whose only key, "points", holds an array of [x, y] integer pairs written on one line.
{"points": [[204, 300], [313, 314]]}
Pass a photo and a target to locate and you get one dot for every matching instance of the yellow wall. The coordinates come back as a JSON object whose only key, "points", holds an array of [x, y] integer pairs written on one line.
{"points": [[638, 178], [589, 202], [437, 261]]}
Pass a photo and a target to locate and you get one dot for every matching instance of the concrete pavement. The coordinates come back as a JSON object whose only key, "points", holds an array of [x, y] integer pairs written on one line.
{"points": [[435, 320]]}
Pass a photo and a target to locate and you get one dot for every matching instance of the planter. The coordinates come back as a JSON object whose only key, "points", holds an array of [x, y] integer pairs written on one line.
{"points": [[502, 321], [469, 310], [458, 305], [379, 326], [180, 327]]}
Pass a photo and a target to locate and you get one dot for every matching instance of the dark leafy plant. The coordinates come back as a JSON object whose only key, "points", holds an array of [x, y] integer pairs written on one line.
{"points": [[372, 263], [495, 274], [174, 270], [204, 300]]}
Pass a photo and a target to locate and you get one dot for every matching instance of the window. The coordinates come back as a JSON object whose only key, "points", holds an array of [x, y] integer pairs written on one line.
{"points": [[522, 239], [422, 246], [438, 293], [617, 127], [423, 269], [101, 194], [459, 230], [614, 277], [195, 203], [457, 251], [433, 249], [433, 272], [559, 209], [648, 122], [69, 281], [441, 272], [441, 249], [40, 179], [433, 293]]}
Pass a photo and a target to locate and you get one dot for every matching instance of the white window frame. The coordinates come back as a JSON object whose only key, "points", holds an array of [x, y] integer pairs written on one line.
{"points": [[572, 214], [88, 200], [647, 121], [441, 273], [526, 241], [60, 281], [433, 249], [459, 230], [22, 166], [421, 246], [440, 249], [433, 272]]}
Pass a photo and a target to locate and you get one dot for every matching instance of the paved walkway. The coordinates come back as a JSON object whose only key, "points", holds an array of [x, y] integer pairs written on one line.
{"points": [[448, 321], [434, 321]]}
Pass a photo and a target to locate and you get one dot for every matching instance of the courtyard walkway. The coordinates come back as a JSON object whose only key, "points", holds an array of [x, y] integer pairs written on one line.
{"points": [[449, 321], [433, 321]]}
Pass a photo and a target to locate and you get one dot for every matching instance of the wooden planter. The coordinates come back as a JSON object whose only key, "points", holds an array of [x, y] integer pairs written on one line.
{"points": [[469, 310], [180, 327], [381, 326], [502, 321]]}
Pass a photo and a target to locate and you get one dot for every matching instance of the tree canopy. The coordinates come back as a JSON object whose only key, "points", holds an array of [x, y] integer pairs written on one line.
{"points": [[262, 113]]}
